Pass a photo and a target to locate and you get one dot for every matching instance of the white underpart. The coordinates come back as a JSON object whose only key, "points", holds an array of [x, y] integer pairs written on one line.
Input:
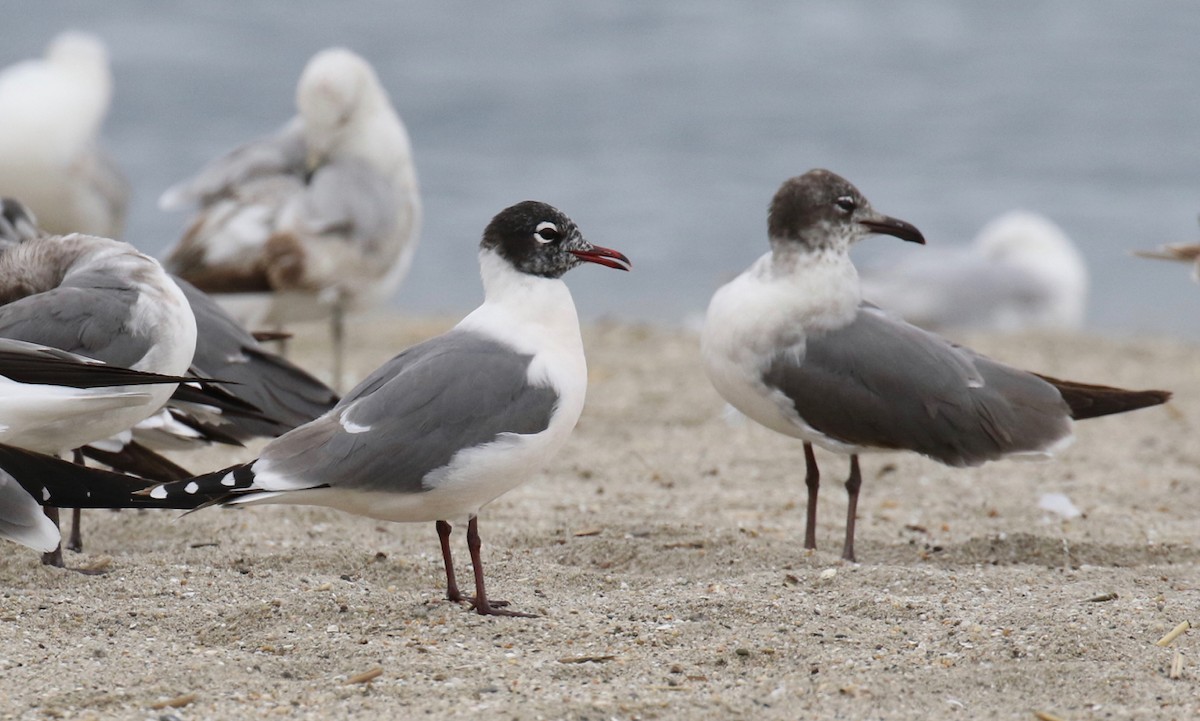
{"points": [[765, 310], [532, 315]]}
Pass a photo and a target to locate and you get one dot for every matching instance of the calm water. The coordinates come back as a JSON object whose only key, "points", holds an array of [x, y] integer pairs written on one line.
{"points": [[663, 128]]}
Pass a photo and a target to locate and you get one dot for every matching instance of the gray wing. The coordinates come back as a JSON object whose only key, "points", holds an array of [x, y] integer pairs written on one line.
{"points": [[89, 321], [350, 199], [880, 382], [450, 393], [280, 154], [227, 351]]}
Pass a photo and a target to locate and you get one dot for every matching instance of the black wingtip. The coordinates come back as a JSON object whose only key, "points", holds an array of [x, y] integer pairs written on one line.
{"points": [[1093, 401]]}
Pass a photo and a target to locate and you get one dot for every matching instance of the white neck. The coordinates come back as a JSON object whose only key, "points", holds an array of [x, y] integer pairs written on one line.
{"points": [[538, 309]]}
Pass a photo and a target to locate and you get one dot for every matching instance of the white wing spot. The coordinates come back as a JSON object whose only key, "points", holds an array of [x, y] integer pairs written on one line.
{"points": [[350, 426], [228, 480], [45, 493], [191, 487], [159, 492]]}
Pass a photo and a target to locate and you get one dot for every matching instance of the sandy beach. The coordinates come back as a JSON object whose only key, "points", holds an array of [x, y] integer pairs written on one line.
{"points": [[663, 552]]}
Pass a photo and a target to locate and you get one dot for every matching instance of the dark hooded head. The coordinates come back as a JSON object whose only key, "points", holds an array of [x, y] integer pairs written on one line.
{"points": [[538, 239]]}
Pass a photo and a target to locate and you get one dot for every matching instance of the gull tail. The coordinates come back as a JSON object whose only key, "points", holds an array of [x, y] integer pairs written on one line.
{"points": [[207, 489], [1092, 401], [54, 482]]}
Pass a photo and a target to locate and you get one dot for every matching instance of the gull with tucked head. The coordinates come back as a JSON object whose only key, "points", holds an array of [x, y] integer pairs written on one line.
{"points": [[316, 221]]}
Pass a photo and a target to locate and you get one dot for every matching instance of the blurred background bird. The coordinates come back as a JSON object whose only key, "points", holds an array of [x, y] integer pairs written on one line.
{"points": [[1020, 273], [51, 111], [315, 221]]}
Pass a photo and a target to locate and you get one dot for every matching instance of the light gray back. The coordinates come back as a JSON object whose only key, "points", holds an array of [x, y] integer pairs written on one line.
{"points": [[880, 382], [439, 397], [90, 321]]}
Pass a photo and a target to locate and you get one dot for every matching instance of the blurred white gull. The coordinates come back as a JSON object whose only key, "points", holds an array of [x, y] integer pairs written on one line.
{"points": [[51, 111], [317, 220], [1021, 273]]}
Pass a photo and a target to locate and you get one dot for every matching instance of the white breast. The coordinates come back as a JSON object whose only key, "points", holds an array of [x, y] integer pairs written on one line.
{"points": [[766, 311]]}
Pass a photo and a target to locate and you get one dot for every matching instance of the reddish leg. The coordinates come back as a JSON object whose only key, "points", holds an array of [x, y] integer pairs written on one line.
{"points": [[481, 601], [443, 531], [812, 479], [853, 483]]}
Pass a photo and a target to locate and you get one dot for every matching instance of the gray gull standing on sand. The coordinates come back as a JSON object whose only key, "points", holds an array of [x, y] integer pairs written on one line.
{"points": [[791, 344], [435, 433]]}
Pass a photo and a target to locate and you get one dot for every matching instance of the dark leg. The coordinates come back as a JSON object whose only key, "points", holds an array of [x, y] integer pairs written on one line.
{"points": [[55, 557], [338, 331], [76, 541], [812, 479], [281, 342], [853, 483], [443, 531], [481, 603]]}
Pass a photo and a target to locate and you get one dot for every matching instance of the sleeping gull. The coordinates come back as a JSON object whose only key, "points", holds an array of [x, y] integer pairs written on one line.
{"points": [[435, 433], [252, 392], [50, 400], [51, 111], [101, 299], [315, 221], [1021, 273], [791, 344]]}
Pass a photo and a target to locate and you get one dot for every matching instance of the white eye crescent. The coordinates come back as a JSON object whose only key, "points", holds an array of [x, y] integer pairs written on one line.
{"points": [[846, 204], [546, 232]]}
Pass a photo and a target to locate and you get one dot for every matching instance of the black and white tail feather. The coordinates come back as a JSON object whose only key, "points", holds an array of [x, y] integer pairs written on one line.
{"points": [[54, 482], [232, 485]]}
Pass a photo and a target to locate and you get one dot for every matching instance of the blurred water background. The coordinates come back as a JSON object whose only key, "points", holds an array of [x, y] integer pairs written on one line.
{"points": [[663, 128]]}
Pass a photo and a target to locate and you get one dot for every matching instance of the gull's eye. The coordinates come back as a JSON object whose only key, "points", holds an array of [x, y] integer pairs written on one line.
{"points": [[546, 232], [845, 204]]}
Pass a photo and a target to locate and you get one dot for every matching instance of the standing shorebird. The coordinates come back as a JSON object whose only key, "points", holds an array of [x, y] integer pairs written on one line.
{"points": [[316, 221], [434, 434], [791, 344]]}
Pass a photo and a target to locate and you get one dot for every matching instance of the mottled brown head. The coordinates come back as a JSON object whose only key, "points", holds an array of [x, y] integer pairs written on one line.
{"points": [[822, 209]]}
